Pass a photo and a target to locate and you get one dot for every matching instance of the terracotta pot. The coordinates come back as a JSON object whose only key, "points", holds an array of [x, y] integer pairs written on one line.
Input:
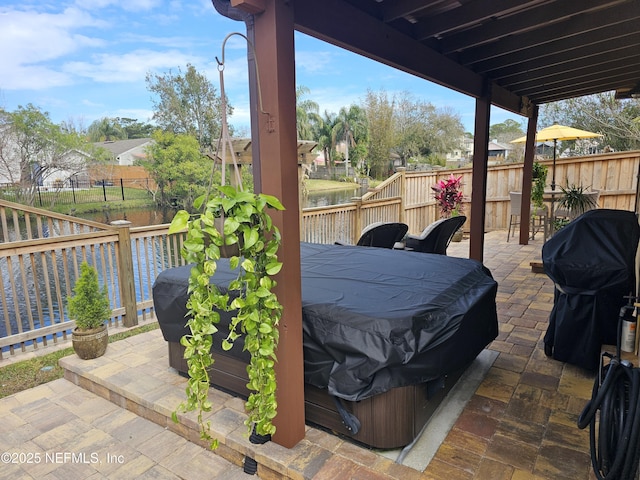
{"points": [[90, 343]]}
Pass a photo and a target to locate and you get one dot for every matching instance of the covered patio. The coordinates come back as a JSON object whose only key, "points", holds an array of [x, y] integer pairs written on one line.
{"points": [[519, 423], [513, 55]]}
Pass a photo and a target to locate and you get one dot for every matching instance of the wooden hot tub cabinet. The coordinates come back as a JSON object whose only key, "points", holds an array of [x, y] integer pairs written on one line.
{"points": [[389, 420]]}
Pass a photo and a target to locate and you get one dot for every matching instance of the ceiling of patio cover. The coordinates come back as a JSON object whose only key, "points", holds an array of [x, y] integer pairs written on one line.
{"points": [[526, 51], [592, 262]]}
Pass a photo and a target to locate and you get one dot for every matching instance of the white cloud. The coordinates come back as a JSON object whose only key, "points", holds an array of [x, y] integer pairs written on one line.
{"points": [[315, 62], [128, 67], [128, 5], [30, 40], [92, 104]]}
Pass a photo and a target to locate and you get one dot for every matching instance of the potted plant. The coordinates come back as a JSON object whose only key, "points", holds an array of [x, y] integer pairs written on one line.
{"points": [[246, 224], [575, 201], [539, 182], [449, 196], [89, 307]]}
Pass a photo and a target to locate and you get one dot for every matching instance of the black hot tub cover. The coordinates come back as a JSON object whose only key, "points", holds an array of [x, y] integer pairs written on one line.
{"points": [[373, 319]]}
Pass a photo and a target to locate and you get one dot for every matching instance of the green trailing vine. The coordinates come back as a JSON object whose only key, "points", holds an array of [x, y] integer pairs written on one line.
{"points": [[248, 226], [539, 183]]}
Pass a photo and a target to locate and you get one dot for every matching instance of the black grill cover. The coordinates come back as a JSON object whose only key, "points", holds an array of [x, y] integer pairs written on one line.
{"points": [[373, 319], [592, 263]]}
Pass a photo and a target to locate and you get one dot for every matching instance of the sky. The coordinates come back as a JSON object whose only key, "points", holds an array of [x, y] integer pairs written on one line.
{"points": [[84, 60]]}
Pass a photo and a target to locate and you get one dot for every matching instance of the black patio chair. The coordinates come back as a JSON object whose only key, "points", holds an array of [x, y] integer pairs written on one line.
{"points": [[436, 237], [382, 235]]}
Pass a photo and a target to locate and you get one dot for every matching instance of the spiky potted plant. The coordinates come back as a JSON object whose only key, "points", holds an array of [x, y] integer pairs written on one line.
{"points": [[89, 307]]}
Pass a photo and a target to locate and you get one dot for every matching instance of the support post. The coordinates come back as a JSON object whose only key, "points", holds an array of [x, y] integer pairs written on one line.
{"points": [[527, 176], [278, 157], [479, 178], [125, 274]]}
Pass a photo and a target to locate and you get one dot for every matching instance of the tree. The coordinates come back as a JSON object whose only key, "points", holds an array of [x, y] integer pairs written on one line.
{"points": [[306, 114], [177, 166], [444, 129], [411, 124], [134, 128], [506, 131], [187, 104], [322, 133], [106, 130], [380, 116], [33, 149], [410, 128], [110, 129], [351, 126], [617, 120]]}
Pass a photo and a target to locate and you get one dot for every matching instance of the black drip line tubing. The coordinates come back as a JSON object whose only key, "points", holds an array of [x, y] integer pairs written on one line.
{"points": [[614, 437]]}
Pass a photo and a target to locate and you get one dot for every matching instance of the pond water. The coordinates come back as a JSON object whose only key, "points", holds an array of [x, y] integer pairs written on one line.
{"points": [[330, 197], [141, 217], [138, 217]]}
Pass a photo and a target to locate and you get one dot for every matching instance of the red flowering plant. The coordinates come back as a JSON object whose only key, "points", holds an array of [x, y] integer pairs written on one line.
{"points": [[449, 196]]}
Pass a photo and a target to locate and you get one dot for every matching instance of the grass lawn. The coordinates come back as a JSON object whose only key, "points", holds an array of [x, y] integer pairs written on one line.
{"points": [[30, 373], [135, 198], [324, 185]]}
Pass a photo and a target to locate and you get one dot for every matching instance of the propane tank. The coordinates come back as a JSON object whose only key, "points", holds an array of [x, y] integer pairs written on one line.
{"points": [[629, 324]]}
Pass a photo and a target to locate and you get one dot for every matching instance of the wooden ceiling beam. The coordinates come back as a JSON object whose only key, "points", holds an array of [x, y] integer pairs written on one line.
{"points": [[618, 51], [584, 83], [579, 46], [332, 21], [467, 15], [519, 23], [624, 56], [392, 11], [576, 34], [576, 92], [573, 76]]}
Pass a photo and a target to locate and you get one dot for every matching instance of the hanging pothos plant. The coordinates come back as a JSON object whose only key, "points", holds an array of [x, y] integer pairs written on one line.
{"points": [[248, 225]]}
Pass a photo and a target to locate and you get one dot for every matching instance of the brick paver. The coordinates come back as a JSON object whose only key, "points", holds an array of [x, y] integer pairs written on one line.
{"points": [[113, 413]]}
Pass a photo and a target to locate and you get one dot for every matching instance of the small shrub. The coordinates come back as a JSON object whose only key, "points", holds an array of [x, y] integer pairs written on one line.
{"points": [[89, 306]]}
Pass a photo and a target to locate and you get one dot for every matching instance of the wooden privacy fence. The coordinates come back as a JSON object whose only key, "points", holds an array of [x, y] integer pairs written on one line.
{"points": [[407, 196], [40, 251]]}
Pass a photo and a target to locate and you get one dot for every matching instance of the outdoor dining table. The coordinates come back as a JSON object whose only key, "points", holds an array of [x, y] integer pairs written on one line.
{"points": [[551, 197]]}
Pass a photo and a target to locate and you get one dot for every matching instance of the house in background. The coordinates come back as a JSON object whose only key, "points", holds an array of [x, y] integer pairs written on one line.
{"points": [[126, 152], [461, 155], [499, 152]]}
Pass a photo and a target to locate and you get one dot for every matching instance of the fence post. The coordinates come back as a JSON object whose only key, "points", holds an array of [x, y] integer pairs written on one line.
{"points": [[125, 274], [122, 188], [403, 182], [355, 235]]}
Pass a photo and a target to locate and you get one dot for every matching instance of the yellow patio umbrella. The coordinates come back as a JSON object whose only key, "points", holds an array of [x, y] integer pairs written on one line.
{"points": [[558, 132]]}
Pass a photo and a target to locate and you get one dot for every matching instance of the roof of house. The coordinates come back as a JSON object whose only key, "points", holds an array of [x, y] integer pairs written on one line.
{"points": [[497, 146], [119, 147]]}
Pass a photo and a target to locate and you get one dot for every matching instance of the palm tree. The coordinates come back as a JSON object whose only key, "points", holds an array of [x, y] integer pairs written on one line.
{"points": [[306, 114], [322, 133], [351, 125], [106, 129]]}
